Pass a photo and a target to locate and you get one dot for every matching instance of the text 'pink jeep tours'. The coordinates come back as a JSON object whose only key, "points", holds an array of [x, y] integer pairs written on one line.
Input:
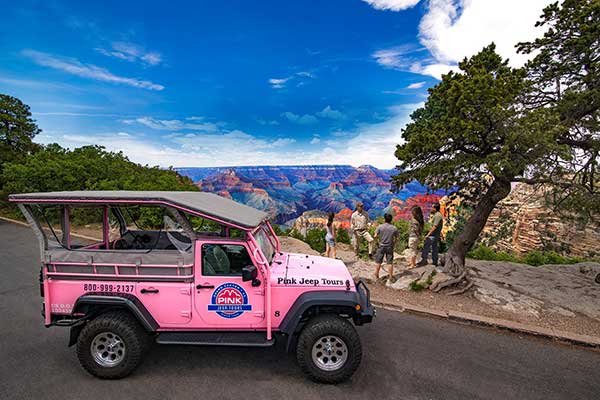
{"points": [[187, 268]]}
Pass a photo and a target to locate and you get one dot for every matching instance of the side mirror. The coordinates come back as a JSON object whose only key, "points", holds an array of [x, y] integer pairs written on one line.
{"points": [[249, 273]]}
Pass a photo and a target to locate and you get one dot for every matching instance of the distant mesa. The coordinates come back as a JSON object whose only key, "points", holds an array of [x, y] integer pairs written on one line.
{"points": [[286, 192]]}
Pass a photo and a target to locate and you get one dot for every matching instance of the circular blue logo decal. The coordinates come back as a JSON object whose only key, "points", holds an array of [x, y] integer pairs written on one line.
{"points": [[229, 300]]}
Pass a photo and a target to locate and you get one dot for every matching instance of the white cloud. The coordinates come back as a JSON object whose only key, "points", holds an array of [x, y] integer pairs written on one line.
{"points": [[454, 29], [435, 70], [394, 57], [283, 142], [300, 77], [174, 124], [305, 74], [416, 85], [132, 52], [305, 119], [367, 144], [372, 144], [330, 113], [230, 148], [75, 67], [315, 140], [278, 83], [394, 5]]}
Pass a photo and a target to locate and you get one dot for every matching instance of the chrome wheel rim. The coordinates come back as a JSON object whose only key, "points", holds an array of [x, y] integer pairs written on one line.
{"points": [[108, 349], [329, 353]]}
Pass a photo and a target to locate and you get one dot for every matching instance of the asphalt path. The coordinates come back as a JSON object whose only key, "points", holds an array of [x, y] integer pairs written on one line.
{"points": [[404, 357]]}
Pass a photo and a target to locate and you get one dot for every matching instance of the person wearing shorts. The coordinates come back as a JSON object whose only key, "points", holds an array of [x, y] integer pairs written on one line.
{"points": [[387, 235], [330, 237]]}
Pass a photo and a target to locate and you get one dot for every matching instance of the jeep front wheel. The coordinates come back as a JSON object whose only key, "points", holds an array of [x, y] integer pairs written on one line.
{"points": [[112, 345], [329, 349]]}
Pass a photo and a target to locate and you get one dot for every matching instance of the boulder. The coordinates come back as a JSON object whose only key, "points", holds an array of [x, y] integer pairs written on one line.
{"points": [[402, 283]]}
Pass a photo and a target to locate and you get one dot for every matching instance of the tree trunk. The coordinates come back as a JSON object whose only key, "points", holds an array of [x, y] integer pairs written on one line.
{"points": [[455, 258]]}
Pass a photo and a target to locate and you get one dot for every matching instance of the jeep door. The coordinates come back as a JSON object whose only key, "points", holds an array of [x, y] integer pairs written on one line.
{"points": [[222, 299]]}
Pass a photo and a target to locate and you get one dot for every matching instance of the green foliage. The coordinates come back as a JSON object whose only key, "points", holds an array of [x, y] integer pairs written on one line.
{"points": [[467, 135], [200, 224], [535, 258], [468, 127], [402, 242], [460, 220], [54, 168], [417, 286], [17, 129], [316, 239], [277, 229], [342, 236], [563, 100], [295, 234], [487, 253]]}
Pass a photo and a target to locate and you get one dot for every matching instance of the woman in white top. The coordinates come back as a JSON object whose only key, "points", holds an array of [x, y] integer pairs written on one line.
{"points": [[330, 237]]}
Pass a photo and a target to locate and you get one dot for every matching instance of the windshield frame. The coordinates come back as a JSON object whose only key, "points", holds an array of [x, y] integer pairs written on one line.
{"points": [[266, 241]]}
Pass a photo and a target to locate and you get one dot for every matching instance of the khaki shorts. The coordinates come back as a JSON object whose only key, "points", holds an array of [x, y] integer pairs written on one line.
{"points": [[413, 246]]}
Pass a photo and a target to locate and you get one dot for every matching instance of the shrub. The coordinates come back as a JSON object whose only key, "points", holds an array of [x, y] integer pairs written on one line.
{"points": [[416, 286], [402, 243], [296, 235], [342, 236], [535, 258], [482, 253], [277, 229], [316, 239]]}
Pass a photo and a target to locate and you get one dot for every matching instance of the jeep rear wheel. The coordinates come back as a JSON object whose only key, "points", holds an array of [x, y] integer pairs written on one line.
{"points": [[329, 349], [112, 345]]}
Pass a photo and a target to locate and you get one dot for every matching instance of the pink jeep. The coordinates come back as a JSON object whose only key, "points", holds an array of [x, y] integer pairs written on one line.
{"points": [[124, 268]]}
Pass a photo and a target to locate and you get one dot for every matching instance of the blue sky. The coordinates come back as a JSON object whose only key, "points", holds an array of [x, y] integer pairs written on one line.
{"points": [[210, 83]]}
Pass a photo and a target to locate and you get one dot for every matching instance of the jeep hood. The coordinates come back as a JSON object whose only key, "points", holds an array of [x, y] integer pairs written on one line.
{"points": [[292, 269]]}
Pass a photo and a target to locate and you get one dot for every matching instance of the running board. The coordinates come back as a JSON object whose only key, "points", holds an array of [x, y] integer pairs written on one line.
{"points": [[239, 339]]}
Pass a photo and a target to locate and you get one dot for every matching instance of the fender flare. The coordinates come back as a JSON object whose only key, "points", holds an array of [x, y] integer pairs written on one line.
{"points": [[120, 300], [291, 323]]}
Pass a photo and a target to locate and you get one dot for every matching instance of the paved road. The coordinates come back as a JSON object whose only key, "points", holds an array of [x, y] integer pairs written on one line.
{"points": [[405, 357]]}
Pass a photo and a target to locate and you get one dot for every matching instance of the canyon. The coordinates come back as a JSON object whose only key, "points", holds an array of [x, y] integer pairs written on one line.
{"points": [[288, 192], [301, 197]]}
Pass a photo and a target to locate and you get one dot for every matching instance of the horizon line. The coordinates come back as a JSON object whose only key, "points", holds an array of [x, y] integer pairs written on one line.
{"points": [[287, 166]]}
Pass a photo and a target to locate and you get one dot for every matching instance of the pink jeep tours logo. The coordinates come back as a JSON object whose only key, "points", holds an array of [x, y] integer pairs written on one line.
{"points": [[229, 300]]}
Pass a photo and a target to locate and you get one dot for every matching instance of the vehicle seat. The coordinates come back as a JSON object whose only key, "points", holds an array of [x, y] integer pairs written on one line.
{"points": [[216, 261], [223, 264]]}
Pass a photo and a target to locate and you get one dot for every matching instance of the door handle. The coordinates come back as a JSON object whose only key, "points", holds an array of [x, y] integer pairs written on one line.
{"points": [[144, 291], [205, 286]]}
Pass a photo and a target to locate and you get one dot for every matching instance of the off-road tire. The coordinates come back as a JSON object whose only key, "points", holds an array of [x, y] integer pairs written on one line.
{"points": [[319, 327], [120, 323]]}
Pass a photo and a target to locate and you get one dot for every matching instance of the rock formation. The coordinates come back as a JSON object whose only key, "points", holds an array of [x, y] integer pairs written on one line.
{"points": [[523, 222]]}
